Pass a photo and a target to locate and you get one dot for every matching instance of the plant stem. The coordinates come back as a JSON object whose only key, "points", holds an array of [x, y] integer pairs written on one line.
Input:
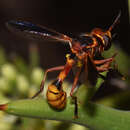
{"points": [[96, 117]]}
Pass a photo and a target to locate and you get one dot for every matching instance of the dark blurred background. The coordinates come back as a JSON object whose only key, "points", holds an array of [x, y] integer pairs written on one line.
{"points": [[65, 16]]}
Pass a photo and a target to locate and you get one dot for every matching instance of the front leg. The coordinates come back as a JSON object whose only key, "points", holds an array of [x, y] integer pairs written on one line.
{"points": [[98, 62], [104, 64]]}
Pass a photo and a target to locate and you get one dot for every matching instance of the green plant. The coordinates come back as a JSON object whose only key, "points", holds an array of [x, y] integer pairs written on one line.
{"points": [[93, 115]]}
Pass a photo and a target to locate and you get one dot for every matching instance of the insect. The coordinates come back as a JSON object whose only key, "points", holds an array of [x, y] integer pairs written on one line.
{"points": [[84, 50]]}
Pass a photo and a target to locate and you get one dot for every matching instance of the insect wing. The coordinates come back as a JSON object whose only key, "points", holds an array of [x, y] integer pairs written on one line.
{"points": [[33, 31], [92, 72], [89, 74]]}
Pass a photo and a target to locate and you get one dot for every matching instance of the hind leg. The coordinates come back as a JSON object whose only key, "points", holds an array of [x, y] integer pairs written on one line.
{"points": [[44, 78], [74, 97]]}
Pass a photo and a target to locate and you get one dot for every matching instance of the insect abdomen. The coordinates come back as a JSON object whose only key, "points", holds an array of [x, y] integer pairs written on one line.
{"points": [[56, 98]]}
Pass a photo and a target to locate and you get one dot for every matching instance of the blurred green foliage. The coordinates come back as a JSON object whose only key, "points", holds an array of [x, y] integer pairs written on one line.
{"points": [[19, 80]]}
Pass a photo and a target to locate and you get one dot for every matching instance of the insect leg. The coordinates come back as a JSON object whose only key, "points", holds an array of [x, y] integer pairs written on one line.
{"points": [[44, 78], [98, 62], [74, 97], [104, 64], [104, 67]]}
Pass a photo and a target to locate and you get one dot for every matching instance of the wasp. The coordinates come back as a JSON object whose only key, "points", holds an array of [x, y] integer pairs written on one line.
{"points": [[83, 52]]}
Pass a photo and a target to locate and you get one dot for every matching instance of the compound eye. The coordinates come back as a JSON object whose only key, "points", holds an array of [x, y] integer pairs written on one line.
{"points": [[107, 41]]}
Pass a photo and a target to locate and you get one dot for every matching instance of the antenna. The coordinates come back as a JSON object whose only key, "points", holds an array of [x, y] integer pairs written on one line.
{"points": [[115, 22]]}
